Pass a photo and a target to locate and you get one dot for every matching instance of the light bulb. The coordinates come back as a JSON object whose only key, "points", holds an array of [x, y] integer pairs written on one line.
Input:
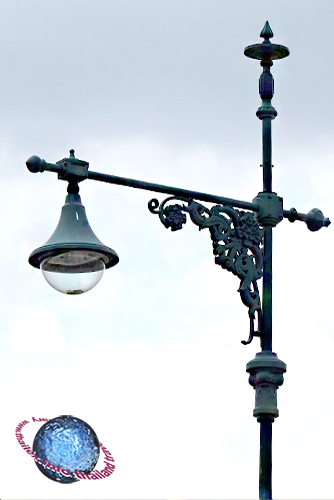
{"points": [[74, 272]]}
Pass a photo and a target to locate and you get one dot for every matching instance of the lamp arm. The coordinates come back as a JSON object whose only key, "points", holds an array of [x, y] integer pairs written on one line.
{"points": [[174, 191], [73, 169], [314, 219]]}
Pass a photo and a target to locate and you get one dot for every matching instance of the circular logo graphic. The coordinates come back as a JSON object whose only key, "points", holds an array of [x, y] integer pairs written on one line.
{"points": [[68, 442], [66, 449]]}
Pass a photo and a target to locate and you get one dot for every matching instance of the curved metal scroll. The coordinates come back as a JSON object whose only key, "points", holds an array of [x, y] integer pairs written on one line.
{"points": [[237, 242]]}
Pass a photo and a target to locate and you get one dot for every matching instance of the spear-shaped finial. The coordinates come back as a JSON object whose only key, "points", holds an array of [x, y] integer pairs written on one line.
{"points": [[266, 51], [266, 32]]}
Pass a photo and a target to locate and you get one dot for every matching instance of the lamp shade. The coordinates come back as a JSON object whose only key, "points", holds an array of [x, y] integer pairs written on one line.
{"points": [[73, 259]]}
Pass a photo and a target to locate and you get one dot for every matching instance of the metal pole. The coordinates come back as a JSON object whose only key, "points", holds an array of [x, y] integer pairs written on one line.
{"points": [[267, 291], [265, 487], [265, 472], [266, 117], [266, 371], [266, 113]]}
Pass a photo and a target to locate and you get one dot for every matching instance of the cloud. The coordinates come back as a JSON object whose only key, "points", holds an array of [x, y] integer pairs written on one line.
{"points": [[36, 332]]}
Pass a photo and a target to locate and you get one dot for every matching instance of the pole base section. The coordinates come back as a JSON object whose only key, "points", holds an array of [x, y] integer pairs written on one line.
{"points": [[266, 375]]}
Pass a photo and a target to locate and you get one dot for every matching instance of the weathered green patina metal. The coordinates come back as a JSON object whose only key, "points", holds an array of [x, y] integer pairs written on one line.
{"points": [[37, 165], [242, 241], [237, 242], [73, 234], [266, 51], [265, 379]]}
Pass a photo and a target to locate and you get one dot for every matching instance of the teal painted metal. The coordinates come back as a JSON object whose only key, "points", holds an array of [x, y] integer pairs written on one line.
{"points": [[37, 165], [265, 380], [237, 242], [73, 233], [266, 370], [266, 51]]}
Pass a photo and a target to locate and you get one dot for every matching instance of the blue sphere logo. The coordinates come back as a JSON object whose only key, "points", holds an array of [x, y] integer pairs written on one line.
{"points": [[66, 444]]}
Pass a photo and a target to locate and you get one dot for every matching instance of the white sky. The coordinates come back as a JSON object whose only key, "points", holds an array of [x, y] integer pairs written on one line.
{"points": [[160, 90]]}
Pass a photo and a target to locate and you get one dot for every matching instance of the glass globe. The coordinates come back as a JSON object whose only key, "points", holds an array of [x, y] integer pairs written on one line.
{"points": [[74, 272]]}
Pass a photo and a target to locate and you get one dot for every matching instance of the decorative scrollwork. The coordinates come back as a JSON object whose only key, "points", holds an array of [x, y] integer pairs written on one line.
{"points": [[237, 242], [171, 216]]}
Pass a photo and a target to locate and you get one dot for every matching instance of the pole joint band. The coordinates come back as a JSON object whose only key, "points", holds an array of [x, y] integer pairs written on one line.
{"points": [[266, 376]]}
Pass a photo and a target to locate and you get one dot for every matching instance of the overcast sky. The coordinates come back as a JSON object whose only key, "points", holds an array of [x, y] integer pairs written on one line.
{"points": [[160, 90]]}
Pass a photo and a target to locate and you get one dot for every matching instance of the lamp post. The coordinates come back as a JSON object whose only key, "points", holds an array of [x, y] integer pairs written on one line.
{"points": [[73, 259]]}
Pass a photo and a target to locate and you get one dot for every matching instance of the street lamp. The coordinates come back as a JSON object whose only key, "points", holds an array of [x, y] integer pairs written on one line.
{"points": [[73, 259]]}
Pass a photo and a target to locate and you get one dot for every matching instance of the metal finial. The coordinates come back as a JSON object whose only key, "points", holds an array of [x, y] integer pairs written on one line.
{"points": [[266, 31], [72, 153], [266, 51]]}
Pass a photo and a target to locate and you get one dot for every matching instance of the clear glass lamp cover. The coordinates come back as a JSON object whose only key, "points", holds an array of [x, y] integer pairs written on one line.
{"points": [[74, 272]]}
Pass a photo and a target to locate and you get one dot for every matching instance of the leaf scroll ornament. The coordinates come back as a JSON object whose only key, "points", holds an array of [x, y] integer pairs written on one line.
{"points": [[237, 242]]}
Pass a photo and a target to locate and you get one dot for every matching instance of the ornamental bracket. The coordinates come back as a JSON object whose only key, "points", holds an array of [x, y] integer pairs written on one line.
{"points": [[237, 242]]}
